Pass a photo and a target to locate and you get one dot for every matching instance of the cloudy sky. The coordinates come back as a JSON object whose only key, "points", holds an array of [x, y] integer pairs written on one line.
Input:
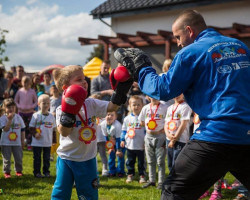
{"points": [[45, 32]]}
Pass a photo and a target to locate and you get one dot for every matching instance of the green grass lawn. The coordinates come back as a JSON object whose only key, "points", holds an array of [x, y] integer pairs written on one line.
{"points": [[30, 188]]}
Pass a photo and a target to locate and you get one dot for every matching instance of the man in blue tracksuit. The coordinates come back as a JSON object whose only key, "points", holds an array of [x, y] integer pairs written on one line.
{"points": [[213, 72]]}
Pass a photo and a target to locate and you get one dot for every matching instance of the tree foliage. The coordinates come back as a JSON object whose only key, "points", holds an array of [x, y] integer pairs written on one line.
{"points": [[3, 46], [98, 52]]}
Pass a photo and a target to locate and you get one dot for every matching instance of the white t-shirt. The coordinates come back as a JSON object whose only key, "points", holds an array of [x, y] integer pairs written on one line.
{"points": [[46, 123], [72, 147], [159, 116], [133, 141], [99, 135], [183, 112], [13, 136], [114, 131]]}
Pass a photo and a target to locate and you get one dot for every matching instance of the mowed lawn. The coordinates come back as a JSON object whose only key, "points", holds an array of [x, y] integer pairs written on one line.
{"points": [[30, 188]]}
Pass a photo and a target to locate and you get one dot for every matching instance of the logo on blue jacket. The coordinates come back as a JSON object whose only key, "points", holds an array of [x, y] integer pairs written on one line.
{"points": [[224, 69]]}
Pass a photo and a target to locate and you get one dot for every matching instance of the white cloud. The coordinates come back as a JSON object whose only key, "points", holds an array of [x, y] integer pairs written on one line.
{"points": [[41, 36]]}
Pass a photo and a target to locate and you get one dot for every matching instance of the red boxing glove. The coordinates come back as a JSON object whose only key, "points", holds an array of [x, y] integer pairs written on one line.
{"points": [[73, 99], [120, 74]]}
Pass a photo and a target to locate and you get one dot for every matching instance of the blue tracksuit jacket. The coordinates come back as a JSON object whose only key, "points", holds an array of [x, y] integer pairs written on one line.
{"points": [[214, 75]]}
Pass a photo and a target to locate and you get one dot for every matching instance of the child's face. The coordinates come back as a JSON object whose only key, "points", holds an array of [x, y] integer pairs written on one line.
{"points": [[10, 109], [36, 79], [136, 106], [44, 105], [110, 118], [78, 78], [26, 83], [179, 98], [54, 91]]}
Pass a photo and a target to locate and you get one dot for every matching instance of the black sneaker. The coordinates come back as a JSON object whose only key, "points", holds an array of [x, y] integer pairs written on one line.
{"points": [[148, 184], [47, 175], [38, 175]]}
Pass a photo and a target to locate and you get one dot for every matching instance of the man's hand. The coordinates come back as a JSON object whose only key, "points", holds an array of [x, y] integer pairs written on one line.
{"points": [[139, 60]]}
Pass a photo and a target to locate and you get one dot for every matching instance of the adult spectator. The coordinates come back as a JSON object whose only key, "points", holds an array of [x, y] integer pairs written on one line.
{"points": [[213, 72], [19, 75], [101, 84], [3, 83], [36, 84], [12, 88], [46, 82]]}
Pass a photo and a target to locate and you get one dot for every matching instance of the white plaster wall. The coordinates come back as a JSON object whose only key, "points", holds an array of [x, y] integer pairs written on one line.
{"points": [[221, 15]]}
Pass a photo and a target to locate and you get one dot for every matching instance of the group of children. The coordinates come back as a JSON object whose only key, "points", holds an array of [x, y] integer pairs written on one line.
{"points": [[21, 127]]}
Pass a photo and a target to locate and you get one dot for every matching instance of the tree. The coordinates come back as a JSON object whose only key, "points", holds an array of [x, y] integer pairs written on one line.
{"points": [[3, 46], [98, 52]]}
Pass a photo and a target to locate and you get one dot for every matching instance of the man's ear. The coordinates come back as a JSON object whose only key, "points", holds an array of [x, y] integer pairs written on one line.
{"points": [[190, 31]]}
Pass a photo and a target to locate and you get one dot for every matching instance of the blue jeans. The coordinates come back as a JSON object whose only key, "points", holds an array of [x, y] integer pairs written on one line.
{"points": [[82, 173], [120, 162], [131, 159], [172, 153]]}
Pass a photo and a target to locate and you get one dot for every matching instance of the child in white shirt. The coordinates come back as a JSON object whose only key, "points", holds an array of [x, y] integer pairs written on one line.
{"points": [[111, 129], [133, 138], [177, 128], [12, 139], [42, 127], [76, 160], [152, 117]]}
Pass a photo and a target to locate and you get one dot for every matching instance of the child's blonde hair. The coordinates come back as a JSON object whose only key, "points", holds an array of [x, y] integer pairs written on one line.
{"points": [[135, 97], [62, 76], [26, 78], [43, 97]]}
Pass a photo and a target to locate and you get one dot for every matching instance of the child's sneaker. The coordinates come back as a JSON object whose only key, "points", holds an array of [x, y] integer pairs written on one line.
{"points": [[47, 175], [148, 184], [241, 197], [206, 194], [7, 175], [129, 178], [215, 195], [38, 175], [105, 173], [142, 179], [19, 174]]}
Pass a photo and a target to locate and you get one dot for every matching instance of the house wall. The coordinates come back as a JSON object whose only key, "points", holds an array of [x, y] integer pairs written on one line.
{"points": [[221, 15]]}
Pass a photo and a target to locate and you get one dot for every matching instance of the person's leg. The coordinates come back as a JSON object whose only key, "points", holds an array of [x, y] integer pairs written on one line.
{"points": [[37, 160], [198, 166], [177, 149], [151, 159], [170, 156], [6, 153], [141, 160], [18, 158], [86, 179], [111, 162], [240, 166], [130, 163], [102, 152], [121, 163], [46, 160], [64, 180], [160, 158]]}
